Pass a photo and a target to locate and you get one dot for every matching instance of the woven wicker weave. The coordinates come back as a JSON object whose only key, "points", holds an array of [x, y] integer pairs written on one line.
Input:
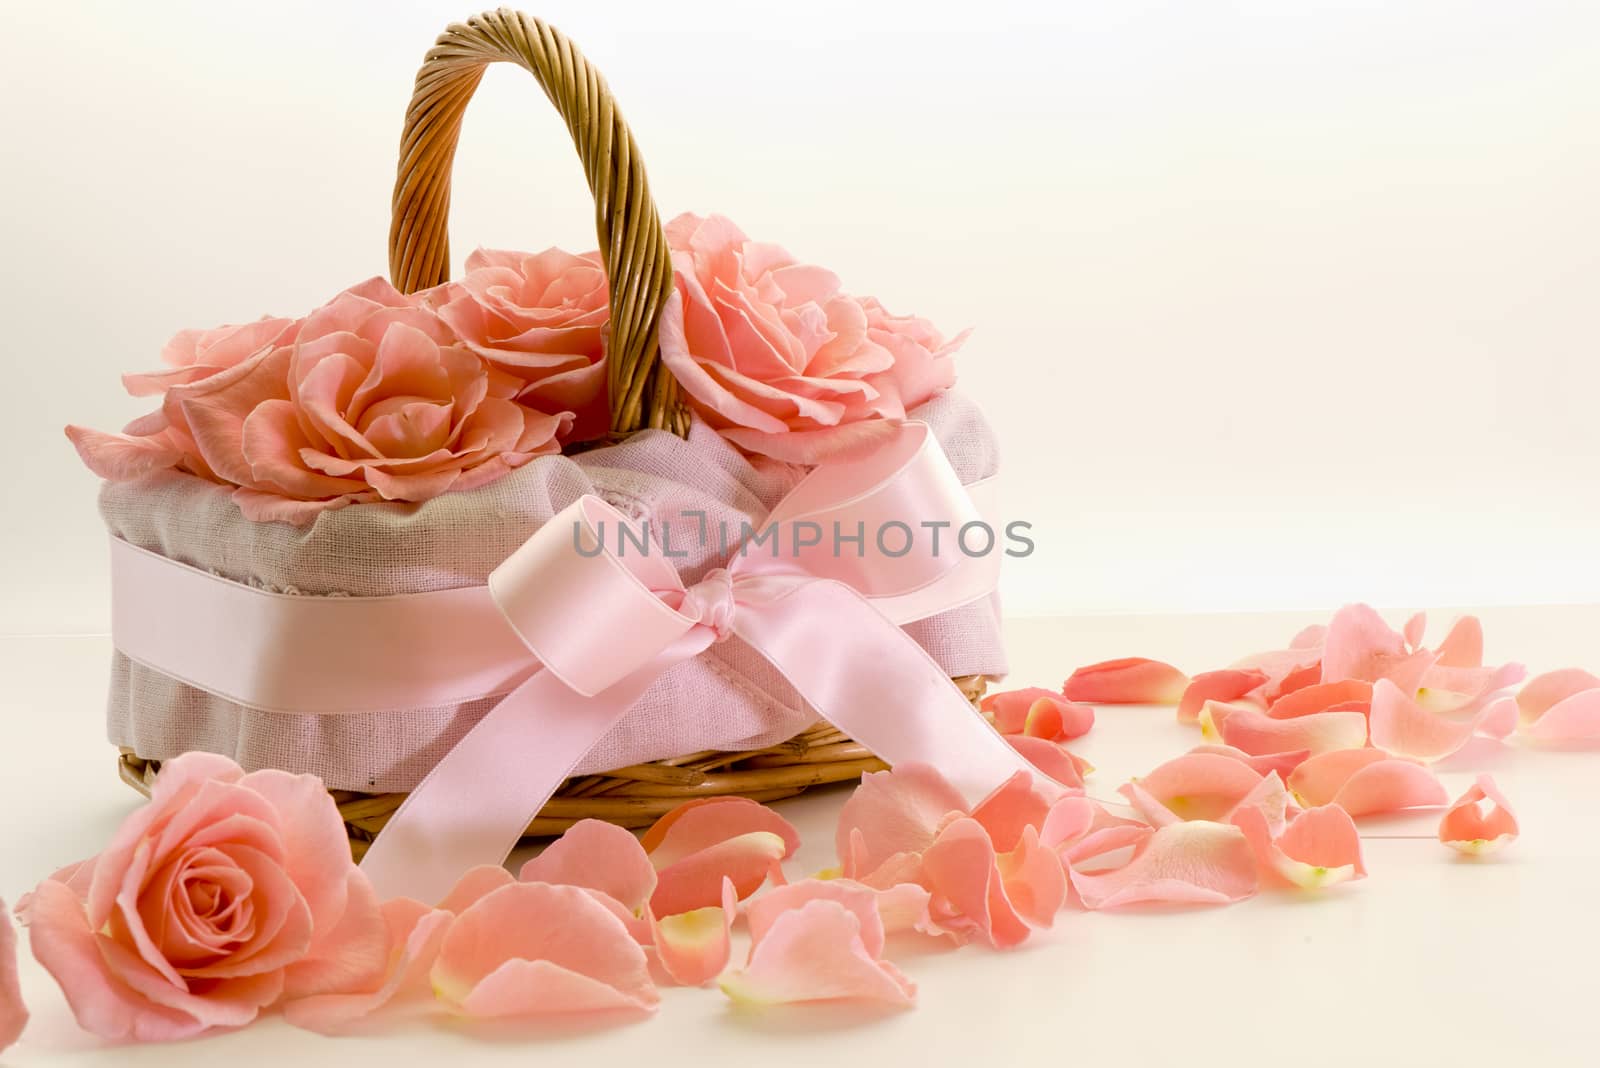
{"points": [[643, 393]]}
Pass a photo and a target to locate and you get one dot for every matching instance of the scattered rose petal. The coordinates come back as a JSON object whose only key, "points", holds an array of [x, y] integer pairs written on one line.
{"points": [[1319, 847], [1229, 684], [1542, 692], [693, 947], [765, 909], [1129, 681], [13, 1014], [1414, 629], [1197, 862], [1466, 827], [1404, 728], [697, 844], [1365, 782], [1038, 713], [1282, 763], [1571, 719], [1360, 645], [1200, 786], [1053, 759], [1017, 805], [600, 856], [538, 949], [818, 952], [1321, 697], [1463, 646], [893, 812], [1256, 732], [961, 871]]}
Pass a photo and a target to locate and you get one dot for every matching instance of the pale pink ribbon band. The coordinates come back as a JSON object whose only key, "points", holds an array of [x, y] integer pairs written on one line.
{"points": [[604, 625]]}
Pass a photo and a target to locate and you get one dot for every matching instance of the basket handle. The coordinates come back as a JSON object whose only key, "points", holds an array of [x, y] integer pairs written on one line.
{"points": [[637, 262]]}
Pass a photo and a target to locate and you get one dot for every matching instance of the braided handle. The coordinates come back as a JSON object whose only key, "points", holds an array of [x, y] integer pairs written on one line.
{"points": [[632, 245]]}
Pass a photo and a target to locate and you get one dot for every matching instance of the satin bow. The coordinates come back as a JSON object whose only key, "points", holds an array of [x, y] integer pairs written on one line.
{"points": [[856, 549]]}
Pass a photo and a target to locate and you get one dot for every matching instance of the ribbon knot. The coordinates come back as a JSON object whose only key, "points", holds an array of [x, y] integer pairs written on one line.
{"points": [[605, 625], [711, 602]]}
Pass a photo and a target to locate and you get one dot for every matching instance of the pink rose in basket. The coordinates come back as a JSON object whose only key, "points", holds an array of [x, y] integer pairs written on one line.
{"points": [[541, 318], [780, 361], [372, 399], [225, 894]]}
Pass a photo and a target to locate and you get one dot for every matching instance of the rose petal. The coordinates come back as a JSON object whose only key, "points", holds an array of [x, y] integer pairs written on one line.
{"points": [[1195, 862], [415, 934], [598, 855], [537, 949], [694, 946], [1320, 847], [122, 457], [352, 954], [1463, 646], [1256, 732], [1058, 763], [962, 871], [1360, 645], [695, 882], [1404, 728], [13, 1014], [893, 812], [1465, 826], [1229, 684], [1571, 719], [1039, 713], [817, 953], [1320, 697], [696, 825], [1542, 692], [1200, 786], [1282, 763], [1365, 782], [1129, 681], [766, 909], [1016, 805]]}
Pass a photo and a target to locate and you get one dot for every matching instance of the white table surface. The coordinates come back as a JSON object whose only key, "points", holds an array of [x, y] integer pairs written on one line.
{"points": [[1431, 960]]}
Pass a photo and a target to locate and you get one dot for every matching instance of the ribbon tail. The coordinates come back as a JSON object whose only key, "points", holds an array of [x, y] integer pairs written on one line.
{"points": [[476, 803], [870, 679]]}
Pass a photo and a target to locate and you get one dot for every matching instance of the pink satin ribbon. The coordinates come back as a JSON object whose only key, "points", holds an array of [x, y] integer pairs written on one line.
{"points": [[604, 624]]}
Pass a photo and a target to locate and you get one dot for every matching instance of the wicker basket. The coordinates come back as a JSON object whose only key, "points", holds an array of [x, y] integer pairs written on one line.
{"points": [[642, 392]]}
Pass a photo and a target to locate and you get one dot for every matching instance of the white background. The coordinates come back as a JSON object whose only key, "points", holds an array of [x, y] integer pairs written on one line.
{"points": [[1276, 304]]}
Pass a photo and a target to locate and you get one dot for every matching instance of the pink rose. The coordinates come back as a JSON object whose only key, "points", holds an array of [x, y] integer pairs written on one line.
{"points": [[540, 318], [372, 398], [224, 895], [774, 356]]}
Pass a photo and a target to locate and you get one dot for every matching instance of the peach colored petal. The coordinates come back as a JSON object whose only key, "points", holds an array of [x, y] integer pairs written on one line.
{"points": [[1034, 882], [474, 885], [350, 954], [1256, 732], [893, 812], [1571, 719], [1052, 758], [1365, 782], [962, 872], [817, 952], [123, 457], [1038, 712], [62, 941], [1200, 786], [1194, 862], [598, 855], [766, 909], [13, 1013], [1282, 763], [1319, 847], [1404, 728], [694, 946], [1017, 804], [415, 933], [1541, 692], [1360, 645], [1320, 697], [695, 825], [695, 882], [1229, 684], [1463, 646], [1467, 828], [1415, 628], [538, 949], [1069, 820], [1129, 681]]}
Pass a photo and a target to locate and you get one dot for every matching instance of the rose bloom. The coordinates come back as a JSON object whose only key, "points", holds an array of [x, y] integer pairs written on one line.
{"points": [[774, 356], [224, 895], [541, 318], [372, 399]]}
